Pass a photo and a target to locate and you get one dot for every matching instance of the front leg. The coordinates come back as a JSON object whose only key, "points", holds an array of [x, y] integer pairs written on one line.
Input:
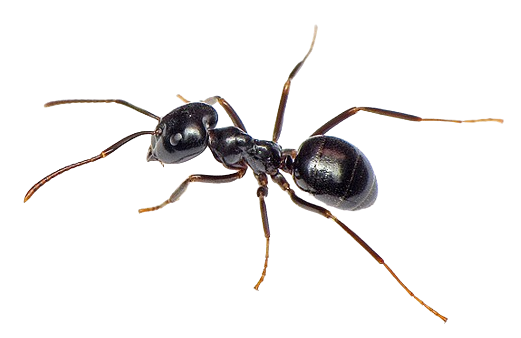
{"points": [[197, 178]]}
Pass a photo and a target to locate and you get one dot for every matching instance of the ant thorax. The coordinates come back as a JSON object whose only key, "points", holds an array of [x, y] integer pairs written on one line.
{"points": [[233, 148]]}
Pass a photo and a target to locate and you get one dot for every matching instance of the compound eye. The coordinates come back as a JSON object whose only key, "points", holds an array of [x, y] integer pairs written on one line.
{"points": [[174, 139]]}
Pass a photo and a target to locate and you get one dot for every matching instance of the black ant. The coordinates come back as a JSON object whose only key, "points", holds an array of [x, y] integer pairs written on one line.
{"points": [[331, 169]]}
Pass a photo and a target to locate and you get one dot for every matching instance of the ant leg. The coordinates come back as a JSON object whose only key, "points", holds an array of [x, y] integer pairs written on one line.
{"points": [[281, 181], [262, 192], [182, 98], [197, 178], [352, 111], [125, 103], [103, 154], [228, 109], [285, 92]]}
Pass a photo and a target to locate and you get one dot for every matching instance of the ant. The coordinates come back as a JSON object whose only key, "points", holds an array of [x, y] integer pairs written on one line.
{"points": [[331, 169]]}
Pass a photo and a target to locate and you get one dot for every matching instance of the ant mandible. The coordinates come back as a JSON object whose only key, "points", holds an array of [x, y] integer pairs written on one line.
{"points": [[331, 169]]}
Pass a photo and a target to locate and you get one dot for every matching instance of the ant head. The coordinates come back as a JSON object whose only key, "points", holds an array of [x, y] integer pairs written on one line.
{"points": [[182, 134]]}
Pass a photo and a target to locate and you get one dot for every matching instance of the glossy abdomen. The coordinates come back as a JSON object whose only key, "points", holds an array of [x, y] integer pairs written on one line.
{"points": [[335, 172]]}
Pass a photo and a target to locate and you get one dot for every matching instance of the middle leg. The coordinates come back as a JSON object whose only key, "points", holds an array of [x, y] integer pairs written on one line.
{"points": [[384, 112], [262, 192], [277, 129]]}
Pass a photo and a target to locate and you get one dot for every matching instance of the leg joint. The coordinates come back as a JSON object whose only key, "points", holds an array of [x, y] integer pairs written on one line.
{"points": [[262, 191]]}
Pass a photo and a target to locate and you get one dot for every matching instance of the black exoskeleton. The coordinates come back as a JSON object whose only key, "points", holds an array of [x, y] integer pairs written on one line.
{"points": [[331, 169]]}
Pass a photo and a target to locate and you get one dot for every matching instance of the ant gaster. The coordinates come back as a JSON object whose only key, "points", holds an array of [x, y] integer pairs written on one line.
{"points": [[331, 169]]}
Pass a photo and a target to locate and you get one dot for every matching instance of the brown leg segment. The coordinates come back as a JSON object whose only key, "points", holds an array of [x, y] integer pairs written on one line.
{"points": [[285, 92], [281, 181], [180, 97], [262, 192], [193, 178], [352, 111]]}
